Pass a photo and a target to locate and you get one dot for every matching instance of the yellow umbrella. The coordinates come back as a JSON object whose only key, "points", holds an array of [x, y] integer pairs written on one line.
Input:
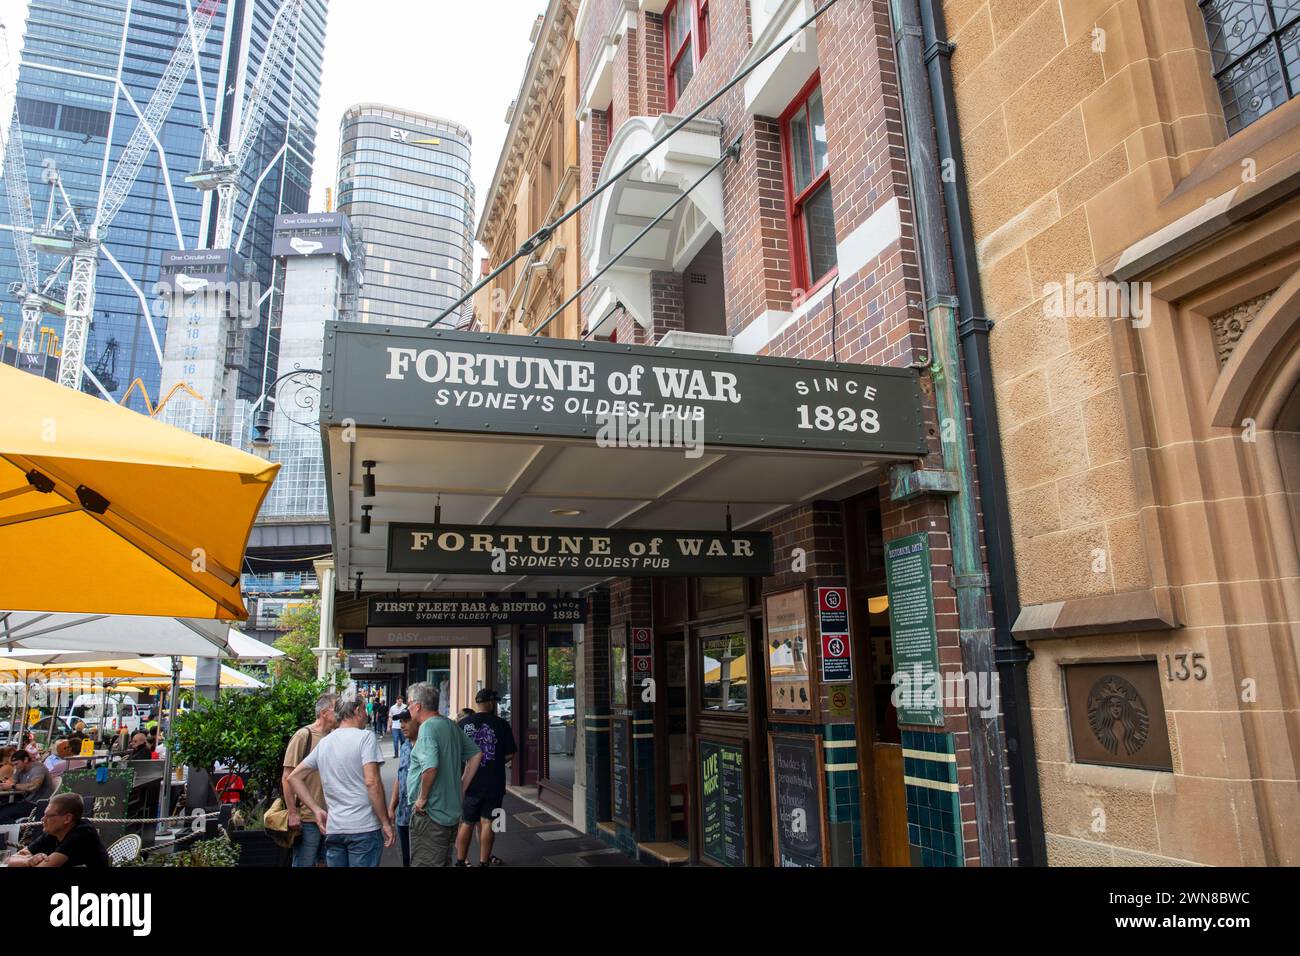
{"points": [[230, 678], [104, 510], [131, 669]]}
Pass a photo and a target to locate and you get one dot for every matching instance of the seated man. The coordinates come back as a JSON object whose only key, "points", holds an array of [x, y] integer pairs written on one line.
{"points": [[68, 840], [32, 780], [140, 749]]}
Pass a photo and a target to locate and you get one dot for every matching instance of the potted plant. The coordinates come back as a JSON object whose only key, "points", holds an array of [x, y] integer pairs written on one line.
{"points": [[247, 733]]}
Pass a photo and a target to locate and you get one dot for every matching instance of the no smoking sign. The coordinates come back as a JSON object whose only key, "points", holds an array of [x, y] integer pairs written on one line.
{"points": [[833, 618]]}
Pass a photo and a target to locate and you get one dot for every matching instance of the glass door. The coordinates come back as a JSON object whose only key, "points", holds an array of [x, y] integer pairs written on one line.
{"points": [[560, 716]]}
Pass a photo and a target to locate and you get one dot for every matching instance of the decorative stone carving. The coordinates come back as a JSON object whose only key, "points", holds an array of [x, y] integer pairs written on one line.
{"points": [[1230, 325]]}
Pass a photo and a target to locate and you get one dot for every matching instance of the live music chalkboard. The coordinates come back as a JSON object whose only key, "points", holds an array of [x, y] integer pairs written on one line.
{"points": [[111, 797], [620, 769], [798, 785], [722, 802]]}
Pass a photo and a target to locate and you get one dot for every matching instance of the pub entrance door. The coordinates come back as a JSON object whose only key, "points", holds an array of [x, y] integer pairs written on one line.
{"points": [[530, 736], [883, 798], [558, 720]]}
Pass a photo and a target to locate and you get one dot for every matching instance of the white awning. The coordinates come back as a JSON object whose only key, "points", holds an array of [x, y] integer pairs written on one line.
{"points": [[114, 634], [633, 202]]}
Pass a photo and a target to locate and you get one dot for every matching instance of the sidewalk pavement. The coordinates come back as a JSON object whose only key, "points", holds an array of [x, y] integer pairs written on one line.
{"points": [[532, 837]]}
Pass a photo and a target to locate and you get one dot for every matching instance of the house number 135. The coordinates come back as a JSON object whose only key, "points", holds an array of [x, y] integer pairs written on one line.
{"points": [[1196, 669]]}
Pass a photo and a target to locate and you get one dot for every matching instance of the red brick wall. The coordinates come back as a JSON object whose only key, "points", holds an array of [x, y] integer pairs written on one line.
{"points": [[875, 316]]}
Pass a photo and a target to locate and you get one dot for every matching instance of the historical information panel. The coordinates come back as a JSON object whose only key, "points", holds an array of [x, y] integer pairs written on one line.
{"points": [[917, 684]]}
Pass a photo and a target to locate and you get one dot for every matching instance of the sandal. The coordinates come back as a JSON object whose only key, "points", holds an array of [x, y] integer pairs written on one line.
{"points": [[492, 861]]}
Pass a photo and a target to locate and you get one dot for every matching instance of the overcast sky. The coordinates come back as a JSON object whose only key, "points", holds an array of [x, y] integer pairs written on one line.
{"points": [[463, 61]]}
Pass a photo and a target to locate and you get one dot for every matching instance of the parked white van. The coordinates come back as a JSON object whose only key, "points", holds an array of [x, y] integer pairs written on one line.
{"points": [[112, 713]]}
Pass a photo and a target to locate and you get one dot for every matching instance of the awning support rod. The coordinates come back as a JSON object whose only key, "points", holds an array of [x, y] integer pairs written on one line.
{"points": [[543, 234]]}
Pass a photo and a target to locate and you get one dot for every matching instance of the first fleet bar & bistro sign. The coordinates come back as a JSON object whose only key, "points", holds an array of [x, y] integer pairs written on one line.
{"points": [[438, 380]]}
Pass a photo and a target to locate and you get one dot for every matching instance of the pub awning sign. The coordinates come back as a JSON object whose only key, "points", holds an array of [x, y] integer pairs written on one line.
{"points": [[493, 609], [474, 549], [440, 380]]}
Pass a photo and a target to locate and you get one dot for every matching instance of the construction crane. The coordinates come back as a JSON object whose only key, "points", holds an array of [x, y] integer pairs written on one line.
{"points": [[81, 242], [105, 370], [221, 168], [32, 293]]}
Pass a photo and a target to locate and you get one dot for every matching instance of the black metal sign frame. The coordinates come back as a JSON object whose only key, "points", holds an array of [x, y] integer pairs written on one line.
{"points": [[475, 549], [442, 380], [489, 610]]}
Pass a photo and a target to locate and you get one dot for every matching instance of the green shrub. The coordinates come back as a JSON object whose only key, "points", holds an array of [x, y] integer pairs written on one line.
{"points": [[247, 731], [221, 851]]}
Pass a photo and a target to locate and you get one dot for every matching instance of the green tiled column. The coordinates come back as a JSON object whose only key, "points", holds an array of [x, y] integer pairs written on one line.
{"points": [[933, 807]]}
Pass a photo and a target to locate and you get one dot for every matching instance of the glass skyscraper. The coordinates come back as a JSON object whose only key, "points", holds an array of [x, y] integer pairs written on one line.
{"points": [[404, 181], [69, 103]]}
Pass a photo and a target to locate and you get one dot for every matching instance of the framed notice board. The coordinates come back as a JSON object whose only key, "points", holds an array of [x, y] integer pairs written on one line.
{"points": [[621, 805], [791, 682], [798, 800], [724, 801], [618, 667]]}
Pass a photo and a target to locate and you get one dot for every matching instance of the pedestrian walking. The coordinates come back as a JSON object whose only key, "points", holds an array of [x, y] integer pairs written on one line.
{"points": [[487, 790], [310, 848], [394, 724], [399, 804], [443, 761], [356, 826], [381, 718]]}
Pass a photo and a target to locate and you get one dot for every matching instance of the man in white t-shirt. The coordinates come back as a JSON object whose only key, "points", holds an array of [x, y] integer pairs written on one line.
{"points": [[395, 724], [356, 825]]}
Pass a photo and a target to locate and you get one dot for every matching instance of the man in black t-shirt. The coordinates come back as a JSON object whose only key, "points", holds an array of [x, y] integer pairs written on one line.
{"points": [[67, 841], [487, 791]]}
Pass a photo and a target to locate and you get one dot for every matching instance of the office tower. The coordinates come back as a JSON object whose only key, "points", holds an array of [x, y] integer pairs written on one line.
{"points": [[316, 254], [70, 106], [404, 181]]}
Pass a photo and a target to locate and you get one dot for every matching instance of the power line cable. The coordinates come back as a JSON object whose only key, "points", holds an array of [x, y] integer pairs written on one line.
{"points": [[542, 235]]}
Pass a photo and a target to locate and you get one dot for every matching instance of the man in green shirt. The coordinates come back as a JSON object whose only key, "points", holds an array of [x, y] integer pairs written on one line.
{"points": [[443, 762]]}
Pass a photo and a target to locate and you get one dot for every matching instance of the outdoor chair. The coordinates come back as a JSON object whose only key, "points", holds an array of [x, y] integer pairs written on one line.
{"points": [[124, 850]]}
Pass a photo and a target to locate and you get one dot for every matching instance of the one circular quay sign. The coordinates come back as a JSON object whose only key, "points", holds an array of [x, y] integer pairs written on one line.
{"points": [[437, 380]]}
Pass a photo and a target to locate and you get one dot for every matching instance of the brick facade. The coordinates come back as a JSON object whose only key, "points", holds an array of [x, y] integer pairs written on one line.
{"points": [[872, 314]]}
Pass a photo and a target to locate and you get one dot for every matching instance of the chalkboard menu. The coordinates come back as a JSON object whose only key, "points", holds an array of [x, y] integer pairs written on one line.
{"points": [[912, 631], [620, 769], [722, 802], [797, 788], [110, 797]]}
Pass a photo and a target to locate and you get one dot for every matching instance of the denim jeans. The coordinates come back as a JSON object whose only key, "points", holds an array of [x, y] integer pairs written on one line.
{"points": [[310, 848], [397, 740], [354, 849], [404, 838]]}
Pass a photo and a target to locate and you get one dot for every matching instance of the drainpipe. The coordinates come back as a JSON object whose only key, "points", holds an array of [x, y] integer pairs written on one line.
{"points": [[975, 620], [1012, 656]]}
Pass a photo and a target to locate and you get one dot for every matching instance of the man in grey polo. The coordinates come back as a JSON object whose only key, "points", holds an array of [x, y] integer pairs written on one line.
{"points": [[443, 762]]}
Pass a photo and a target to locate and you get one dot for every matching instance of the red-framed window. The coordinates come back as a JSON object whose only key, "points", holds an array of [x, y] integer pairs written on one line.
{"points": [[686, 40], [808, 188]]}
